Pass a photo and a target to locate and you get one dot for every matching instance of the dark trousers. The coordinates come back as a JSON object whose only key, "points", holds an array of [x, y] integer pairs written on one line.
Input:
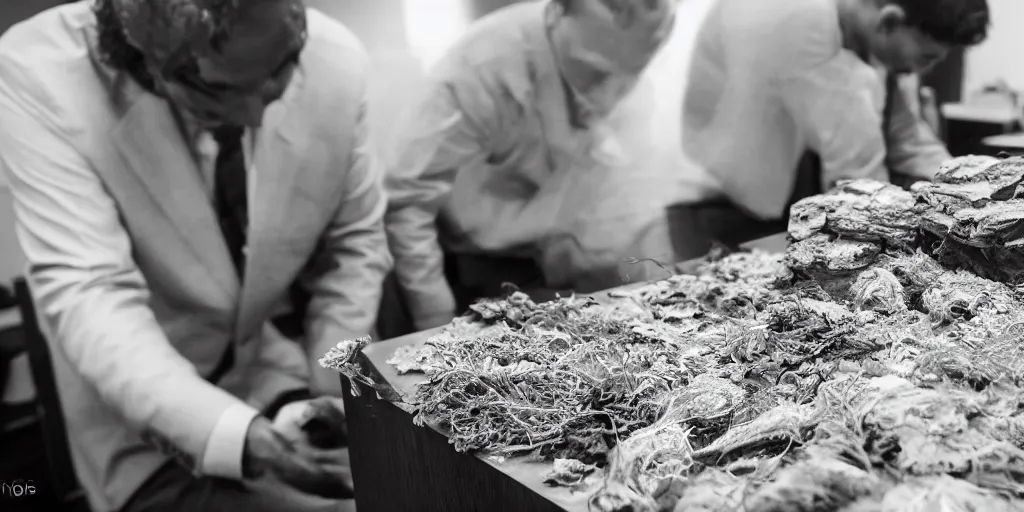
{"points": [[471, 278], [393, 318], [173, 489], [477, 276], [695, 228]]}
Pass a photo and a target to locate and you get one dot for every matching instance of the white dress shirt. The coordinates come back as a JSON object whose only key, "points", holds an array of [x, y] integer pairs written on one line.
{"points": [[226, 446], [771, 79]]}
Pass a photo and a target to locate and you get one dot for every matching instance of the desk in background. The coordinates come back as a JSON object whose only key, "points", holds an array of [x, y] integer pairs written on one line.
{"points": [[1012, 143], [967, 127]]}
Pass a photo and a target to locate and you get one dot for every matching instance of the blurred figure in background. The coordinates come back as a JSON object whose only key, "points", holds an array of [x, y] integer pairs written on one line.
{"points": [[176, 165], [533, 152], [773, 79]]}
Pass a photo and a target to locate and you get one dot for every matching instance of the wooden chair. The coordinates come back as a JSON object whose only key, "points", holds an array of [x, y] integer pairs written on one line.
{"points": [[62, 479]]}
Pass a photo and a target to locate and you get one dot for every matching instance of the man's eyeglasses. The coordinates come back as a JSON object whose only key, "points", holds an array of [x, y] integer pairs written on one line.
{"points": [[182, 67]]}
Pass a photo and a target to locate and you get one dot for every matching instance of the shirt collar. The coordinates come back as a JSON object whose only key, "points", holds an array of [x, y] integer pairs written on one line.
{"points": [[547, 60]]}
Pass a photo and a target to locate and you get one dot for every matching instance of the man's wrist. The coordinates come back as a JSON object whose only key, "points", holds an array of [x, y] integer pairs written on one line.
{"points": [[225, 447], [262, 446]]}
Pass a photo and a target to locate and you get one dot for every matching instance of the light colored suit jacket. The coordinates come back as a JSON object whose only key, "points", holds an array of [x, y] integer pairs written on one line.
{"points": [[133, 281]]}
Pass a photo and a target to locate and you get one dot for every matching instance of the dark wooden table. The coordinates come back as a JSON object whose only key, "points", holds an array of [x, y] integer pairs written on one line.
{"points": [[400, 467]]}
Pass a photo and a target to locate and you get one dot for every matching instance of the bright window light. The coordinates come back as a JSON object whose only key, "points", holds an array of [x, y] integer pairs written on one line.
{"points": [[432, 26]]}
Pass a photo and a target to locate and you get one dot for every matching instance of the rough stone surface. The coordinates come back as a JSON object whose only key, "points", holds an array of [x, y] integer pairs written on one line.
{"points": [[863, 210]]}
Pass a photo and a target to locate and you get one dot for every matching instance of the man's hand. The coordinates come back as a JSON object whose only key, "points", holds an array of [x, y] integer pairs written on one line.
{"points": [[434, 320], [323, 473], [318, 423]]}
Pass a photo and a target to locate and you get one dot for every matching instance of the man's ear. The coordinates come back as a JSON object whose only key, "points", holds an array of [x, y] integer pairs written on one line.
{"points": [[890, 18], [552, 12]]}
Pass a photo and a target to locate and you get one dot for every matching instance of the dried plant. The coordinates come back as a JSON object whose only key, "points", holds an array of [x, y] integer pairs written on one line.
{"points": [[855, 373]]}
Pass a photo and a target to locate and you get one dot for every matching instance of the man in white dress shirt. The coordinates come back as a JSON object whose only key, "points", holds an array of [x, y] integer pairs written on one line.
{"points": [[176, 166], [773, 79], [536, 156]]}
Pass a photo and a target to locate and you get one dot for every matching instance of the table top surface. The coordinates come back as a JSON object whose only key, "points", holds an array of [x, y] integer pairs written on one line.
{"points": [[998, 114], [530, 474]]}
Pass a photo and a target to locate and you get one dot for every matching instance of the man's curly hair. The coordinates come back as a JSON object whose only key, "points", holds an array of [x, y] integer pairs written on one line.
{"points": [[113, 44], [120, 54], [953, 22]]}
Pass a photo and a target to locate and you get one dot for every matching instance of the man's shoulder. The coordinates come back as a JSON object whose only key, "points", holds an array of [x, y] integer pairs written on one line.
{"points": [[54, 41], [499, 51], [499, 38], [798, 16], [332, 50], [49, 59], [777, 35]]}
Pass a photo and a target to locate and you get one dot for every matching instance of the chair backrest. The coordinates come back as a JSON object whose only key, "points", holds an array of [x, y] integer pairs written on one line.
{"points": [[60, 469]]}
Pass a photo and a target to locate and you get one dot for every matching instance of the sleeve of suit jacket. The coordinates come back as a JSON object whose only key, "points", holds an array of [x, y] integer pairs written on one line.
{"points": [[444, 131], [88, 290], [347, 275]]}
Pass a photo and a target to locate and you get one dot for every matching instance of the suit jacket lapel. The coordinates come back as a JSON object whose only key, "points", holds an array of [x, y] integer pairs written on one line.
{"points": [[279, 151], [153, 149]]}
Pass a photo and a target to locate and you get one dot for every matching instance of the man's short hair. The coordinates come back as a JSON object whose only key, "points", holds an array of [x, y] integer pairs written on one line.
{"points": [[953, 22]]}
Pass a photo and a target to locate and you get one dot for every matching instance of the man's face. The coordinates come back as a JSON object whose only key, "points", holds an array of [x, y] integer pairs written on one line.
{"points": [[235, 81], [603, 53], [902, 48], [908, 50]]}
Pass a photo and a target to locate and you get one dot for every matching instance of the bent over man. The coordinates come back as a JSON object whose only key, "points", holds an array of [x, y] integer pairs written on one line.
{"points": [[529, 160], [176, 166], [771, 80]]}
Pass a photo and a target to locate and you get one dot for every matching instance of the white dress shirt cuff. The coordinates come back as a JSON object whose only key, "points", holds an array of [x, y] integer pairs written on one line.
{"points": [[223, 454]]}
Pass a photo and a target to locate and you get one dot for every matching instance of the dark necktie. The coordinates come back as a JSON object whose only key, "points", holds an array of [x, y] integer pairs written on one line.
{"points": [[231, 204], [230, 197]]}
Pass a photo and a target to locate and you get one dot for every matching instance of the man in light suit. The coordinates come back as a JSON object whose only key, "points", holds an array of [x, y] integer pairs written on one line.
{"points": [[176, 166]]}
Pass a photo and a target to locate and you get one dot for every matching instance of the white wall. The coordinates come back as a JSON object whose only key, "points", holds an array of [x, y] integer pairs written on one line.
{"points": [[1002, 55], [401, 36], [434, 25]]}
